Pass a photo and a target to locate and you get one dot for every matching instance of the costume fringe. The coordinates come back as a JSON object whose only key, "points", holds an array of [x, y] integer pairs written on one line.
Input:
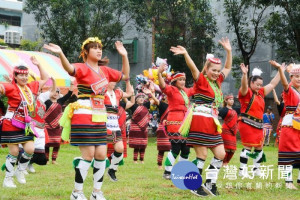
{"points": [[3, 167], [185, 126], [65, 122], [253, 155]]}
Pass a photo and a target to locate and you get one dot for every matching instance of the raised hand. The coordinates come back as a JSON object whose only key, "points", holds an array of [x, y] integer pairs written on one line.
{"points": [[53, 48], [147, 91], [225, 43], [120, 48], [7, 78], [275, 64], [244, 68], [179, 50], [34, 60], [162, 68]]}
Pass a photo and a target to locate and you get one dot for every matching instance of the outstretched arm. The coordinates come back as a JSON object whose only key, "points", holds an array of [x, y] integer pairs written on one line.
{"points": [[64, 61], [281, 70], [125, 62], [275, 97], [244, 80], [276, 79], [155, 100], [129, 90], [180, 50], [161, 81], [228, 63], [44, 74]]}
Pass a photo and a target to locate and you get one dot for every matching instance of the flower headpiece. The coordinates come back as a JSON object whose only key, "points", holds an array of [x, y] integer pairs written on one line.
{"points": [[295, 70], [256, 72], [176, 76], [91, 39], [212, 59]]}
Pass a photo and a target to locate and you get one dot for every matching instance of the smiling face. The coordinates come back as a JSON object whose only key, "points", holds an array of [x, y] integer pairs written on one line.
{"points": [[140, 100], [55, 95], [256, 84], [21, 79], [295, 79], [213, 71], [93, 51], [180, 83]]}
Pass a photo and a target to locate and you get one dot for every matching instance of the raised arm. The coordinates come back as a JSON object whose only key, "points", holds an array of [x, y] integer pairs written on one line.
{"points": [[125, 62], [228, 63], [281, 70], [129, 90], [161, 81], [155, 100], [280, 74], [44, 74], [275, 97], [244, 80], [180, 50], [64, 61]]}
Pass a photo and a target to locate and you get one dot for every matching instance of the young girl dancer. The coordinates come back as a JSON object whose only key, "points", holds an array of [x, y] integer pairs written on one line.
{"points": [[88, 128]]}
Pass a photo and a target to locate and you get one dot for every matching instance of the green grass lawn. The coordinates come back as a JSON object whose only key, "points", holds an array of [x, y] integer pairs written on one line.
{"points": [[142, 181]]}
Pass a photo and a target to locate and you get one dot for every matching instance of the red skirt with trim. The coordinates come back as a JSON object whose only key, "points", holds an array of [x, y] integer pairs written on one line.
{"points": [[229, 139], [250, 136], [289, 147], [163, 143]]}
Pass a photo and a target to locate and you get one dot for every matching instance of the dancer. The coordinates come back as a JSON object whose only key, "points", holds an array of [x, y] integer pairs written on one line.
{"points": [[289, 143], [251, 97], [114, 135], [17, 123], [138, 135], [88, 129], [229, 127], [204, 128], [163, 143], [52, 117], [268, 119], [178, 98]]}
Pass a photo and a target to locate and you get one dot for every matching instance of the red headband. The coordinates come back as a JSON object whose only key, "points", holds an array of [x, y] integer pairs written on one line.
{"points": [[228, 97], [295, 70], [176, 76], [215, 60], [20, 71]]}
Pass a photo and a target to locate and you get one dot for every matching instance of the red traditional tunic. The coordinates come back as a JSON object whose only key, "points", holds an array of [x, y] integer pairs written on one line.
{"points": [[229, 127], [289, 143], [250, 124], [11, 134], [177, 110], [86, 130], [203, 130], [163, 143]]}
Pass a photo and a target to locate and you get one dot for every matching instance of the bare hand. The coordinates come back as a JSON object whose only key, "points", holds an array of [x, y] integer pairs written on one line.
{"points": [[53, 48], [120, 48], [162, 68], [7, 78], [275, 64], [72, 87], [225, 43], [146, 91], [244, 68], [179, 50], [34, 61]]}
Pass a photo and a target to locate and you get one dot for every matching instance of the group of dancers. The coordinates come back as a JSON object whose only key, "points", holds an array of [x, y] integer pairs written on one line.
{"points": [[97, 117]]}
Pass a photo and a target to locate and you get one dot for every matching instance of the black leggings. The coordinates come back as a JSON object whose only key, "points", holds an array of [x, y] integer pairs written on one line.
{"points": [[176, 148]]}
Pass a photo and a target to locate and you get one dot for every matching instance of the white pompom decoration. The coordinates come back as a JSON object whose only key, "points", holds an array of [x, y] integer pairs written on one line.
{"points": [[256, 72], [160, 61], [209, 55]]}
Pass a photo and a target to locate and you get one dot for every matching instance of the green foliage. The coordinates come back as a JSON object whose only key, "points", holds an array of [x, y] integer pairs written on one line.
{"points": [[68, 23], [236, 70], [28, 45], [283, 28], [189, 23], [2, 42]]}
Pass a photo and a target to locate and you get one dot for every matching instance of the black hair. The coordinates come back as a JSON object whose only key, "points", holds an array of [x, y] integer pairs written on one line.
{"points": [[21, 67], [253, 79]]}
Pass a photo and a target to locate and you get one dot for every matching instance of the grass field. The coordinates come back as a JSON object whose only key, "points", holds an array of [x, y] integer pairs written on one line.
{"points": [[142, 181]]}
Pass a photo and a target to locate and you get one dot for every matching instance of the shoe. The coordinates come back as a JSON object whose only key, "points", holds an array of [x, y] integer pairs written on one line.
{"points": [[31, 168], [199, 192], [97, 196], [9, 182], [257, 172], [25, 172], [298, 181], [20, 176], [167, 175], [291, 186], [160, 167], [112, 175], [211, 189], [77, 195], [54, 162]]}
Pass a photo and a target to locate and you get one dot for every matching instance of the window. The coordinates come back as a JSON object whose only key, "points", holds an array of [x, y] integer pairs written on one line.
{"points": [[132, 48], [10, 20]]}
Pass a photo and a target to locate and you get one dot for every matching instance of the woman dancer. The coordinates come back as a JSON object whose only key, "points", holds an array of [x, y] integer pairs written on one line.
{"points": [[88, 129], [17, 123], [289, 143], [205, 127], [178, 98], [229, 127]]}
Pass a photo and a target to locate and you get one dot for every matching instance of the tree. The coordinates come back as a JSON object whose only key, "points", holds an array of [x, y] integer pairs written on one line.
{"points": [[69, 22], [28, 45], [246, 18], [189, 23], [283, 29]]}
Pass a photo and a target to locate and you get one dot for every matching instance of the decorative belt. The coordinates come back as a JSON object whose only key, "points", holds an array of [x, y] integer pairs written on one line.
{"points": [[90, 96], [252, 121], [173, 122]]}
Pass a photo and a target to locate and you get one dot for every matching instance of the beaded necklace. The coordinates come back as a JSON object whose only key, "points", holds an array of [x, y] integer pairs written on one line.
{"points": [[185, 98], [217, 91], [27, 94]]}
